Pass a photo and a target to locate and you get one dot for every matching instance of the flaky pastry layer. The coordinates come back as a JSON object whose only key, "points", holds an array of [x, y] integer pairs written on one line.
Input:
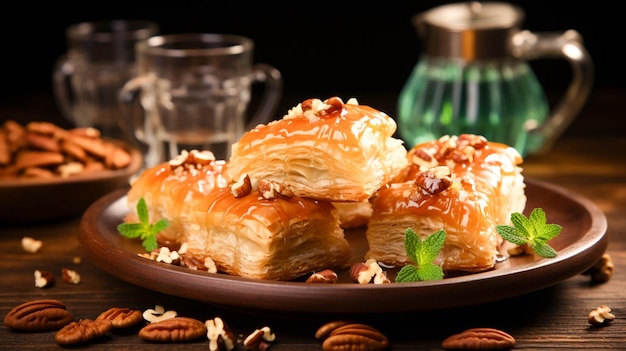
{"points": [[464, 185], [279, 238], [323, 150]]}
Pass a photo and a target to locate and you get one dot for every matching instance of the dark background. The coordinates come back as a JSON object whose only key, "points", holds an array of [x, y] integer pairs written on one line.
{"points": [[321, 48]]}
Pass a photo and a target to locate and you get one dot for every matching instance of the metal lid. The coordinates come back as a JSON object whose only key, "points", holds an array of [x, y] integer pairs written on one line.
{"points": [[469, 30]]}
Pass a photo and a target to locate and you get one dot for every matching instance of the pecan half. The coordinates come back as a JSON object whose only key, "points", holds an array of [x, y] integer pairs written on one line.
{"points": [[355, 336], [121, 317], [177, 329], [38, 315], [82, 331], [480, 339]]}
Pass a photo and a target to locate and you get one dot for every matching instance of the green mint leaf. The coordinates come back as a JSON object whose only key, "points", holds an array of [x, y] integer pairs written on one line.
{"points": [[544, 250], [160, 225], [430, 271], [511, 234], [407, 274], [149, 243], [411, 244], [144, 230], [142, 211], [423, 253], [130, 230], [431, 246], [532, 230]]}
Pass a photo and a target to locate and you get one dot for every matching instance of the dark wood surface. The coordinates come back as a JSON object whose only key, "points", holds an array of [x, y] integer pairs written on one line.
{"points": [[590, 159]]}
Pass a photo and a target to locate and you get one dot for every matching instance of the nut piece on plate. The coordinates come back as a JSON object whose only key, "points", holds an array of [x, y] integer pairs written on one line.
{"points": [[345, 335], [601, 316], [38, 315], [323, 276], [82, 331], [121, 317], [368, 271], [479, 339], [177, 329]]}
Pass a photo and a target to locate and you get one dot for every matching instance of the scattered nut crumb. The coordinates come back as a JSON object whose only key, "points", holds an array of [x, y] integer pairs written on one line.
{"points": [[70, 276], [602, 271], [601, 316], [44, 279], [31, 245], [76, 260], [158, 314], [259, 339]]}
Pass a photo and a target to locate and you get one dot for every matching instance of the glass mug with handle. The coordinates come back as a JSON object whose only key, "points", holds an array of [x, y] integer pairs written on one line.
{"points": [[195, 90], [100, 59], [473, 77]]}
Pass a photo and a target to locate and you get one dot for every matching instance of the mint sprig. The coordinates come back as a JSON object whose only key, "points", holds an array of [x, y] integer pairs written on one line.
{"points": [[533, 231], [144, 230], [423, 253]]}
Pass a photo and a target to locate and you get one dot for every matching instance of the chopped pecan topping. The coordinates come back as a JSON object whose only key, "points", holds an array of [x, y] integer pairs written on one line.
{"points": [[434, 180]]}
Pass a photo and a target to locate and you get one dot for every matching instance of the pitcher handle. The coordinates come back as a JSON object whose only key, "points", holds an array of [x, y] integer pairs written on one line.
{"points": [[568, 45], [264, 73], [136, 123], [62, 72]]}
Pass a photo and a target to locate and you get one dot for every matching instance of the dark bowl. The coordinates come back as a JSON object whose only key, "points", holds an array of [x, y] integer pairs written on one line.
{"points": [[35, 199]]}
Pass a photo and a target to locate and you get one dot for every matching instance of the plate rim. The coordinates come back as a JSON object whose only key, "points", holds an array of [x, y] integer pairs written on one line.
{"points": [[314, 298]]}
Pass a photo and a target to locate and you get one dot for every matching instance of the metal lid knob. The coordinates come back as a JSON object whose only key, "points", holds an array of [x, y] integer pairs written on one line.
{"points": [[469, 30]]}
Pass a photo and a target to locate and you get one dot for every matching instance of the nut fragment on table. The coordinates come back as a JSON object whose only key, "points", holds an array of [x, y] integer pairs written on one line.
{"points": [[172, 330], [158, 314], [221, 338], [82, 331], [43, 279], [479, 339], [346, 335], [31, 245], [601, 316], [38, 315], [70, 276], [601, 271], [259, 340]]}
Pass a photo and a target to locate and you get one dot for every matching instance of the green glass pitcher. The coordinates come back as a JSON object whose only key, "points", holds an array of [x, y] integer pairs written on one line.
{"points": [[473, 77]]}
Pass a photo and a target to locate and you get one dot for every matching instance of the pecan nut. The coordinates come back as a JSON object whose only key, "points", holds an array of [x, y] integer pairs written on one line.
{"points": [[353, 336], [480, 339], [121, 317], [82, 331], [172, 330], [38, 315]]}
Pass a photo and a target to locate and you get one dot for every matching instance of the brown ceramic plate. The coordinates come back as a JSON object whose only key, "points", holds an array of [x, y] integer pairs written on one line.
{"points": [[581, 243], [37, 199]]}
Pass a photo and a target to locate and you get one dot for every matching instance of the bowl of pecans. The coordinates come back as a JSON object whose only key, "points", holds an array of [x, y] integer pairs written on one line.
{"points": [[48, 172]]}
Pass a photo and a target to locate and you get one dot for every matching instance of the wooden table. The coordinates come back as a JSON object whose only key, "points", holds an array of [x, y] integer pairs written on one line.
{"points": [[590, 160]]}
